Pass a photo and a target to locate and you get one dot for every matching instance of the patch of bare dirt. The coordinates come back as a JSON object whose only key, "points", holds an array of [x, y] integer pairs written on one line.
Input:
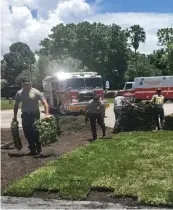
{"points": [[15, 164]]}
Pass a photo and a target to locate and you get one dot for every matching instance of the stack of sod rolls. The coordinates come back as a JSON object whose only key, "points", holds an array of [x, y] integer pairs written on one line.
{"points": [[49, 130], [168, 122]]}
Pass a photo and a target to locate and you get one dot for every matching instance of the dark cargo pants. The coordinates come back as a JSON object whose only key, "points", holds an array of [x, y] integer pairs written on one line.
{"points": [[30, 132], [118, 118], [159, 114], [100, 120]]}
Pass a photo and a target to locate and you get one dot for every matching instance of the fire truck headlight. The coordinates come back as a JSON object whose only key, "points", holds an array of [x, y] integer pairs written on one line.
{"points": [[62, 75]]}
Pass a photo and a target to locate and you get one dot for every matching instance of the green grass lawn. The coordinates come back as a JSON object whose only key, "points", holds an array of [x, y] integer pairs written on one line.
{"points": [[6, 105], [132, 164], [110, 100]]}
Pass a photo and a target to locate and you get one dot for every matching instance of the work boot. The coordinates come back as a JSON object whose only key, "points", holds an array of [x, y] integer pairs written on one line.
{"points": [[104, 136], [32, 153], [39, 148], [94, 137]]}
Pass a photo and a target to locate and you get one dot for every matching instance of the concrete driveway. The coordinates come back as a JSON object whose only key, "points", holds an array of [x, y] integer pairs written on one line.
{"points": [[7, 115], [37, 203]]}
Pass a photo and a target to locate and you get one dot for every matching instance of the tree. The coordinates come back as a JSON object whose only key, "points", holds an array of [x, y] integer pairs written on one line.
{"points": [[170, 58], [163, 59], [98, 47], [3, 83], [159, 59], [18, 59], [144, 68], [137, 35], [25, 75], [4, 69], [165, 36]]}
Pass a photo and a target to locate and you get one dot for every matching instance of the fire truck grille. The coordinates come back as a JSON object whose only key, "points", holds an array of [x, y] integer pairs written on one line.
{"points": [[85, 96]]}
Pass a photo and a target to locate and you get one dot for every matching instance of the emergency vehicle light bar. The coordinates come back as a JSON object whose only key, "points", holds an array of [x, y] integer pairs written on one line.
{"points": [[83, 73]]}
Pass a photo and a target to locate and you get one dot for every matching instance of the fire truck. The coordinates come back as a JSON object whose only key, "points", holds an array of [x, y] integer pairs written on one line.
{"points": [[143, 88], [71, 92]]}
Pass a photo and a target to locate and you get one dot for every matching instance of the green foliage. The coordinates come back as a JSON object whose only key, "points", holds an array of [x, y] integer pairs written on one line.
{"points": [[18, 59], [3, 83], [91, 47], [163, 59], [165, 36], [159, 60], [132, 164], [144, 67], [48, 129], [96, 46], [170, 57], [25, 74], [137, 35], [3, 69]]}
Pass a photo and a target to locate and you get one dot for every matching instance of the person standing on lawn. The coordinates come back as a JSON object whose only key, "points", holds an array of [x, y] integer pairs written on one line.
{"points": [[30, 97], [120, 102], [96, 113], [158, 101]]}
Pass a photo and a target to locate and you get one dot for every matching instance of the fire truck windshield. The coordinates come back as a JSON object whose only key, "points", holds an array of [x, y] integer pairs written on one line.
{"points": [[93, 82], [75, 83]]}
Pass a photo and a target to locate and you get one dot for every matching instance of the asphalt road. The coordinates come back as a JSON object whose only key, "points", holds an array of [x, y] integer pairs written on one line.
{"points": [[7, 115]]}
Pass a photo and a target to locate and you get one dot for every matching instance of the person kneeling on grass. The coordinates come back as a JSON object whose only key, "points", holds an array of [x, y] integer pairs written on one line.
{"points": [[30, 97]]}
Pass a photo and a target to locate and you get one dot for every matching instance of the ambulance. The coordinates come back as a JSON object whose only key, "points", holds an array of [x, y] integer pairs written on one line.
{"points": [[143, 88]]}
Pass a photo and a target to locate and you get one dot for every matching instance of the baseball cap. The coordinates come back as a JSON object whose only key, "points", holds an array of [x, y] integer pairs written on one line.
{"points": [[96, 96], [26, 81], [158, 90]]}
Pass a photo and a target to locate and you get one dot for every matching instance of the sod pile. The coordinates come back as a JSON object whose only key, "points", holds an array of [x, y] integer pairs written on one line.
{"points": [[168, 122], [138, 118]]}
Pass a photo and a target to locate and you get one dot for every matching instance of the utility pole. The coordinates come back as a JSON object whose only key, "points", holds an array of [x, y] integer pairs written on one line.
{"points": [[116, 71], [30, 73]]}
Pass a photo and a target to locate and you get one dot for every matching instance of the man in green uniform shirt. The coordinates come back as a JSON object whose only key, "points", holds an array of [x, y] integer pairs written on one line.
{"points": [[30, 97], [96, 113]]}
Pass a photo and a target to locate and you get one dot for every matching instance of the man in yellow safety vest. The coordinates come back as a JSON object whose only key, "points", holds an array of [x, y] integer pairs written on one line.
{"points": [[158, 101]]}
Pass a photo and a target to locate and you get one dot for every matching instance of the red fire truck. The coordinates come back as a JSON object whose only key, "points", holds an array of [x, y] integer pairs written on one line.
{"points": [[71, 92], [143, 88]]}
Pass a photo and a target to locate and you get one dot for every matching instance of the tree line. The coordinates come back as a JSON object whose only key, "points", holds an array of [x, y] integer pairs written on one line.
{"points": [[107, 49]]}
